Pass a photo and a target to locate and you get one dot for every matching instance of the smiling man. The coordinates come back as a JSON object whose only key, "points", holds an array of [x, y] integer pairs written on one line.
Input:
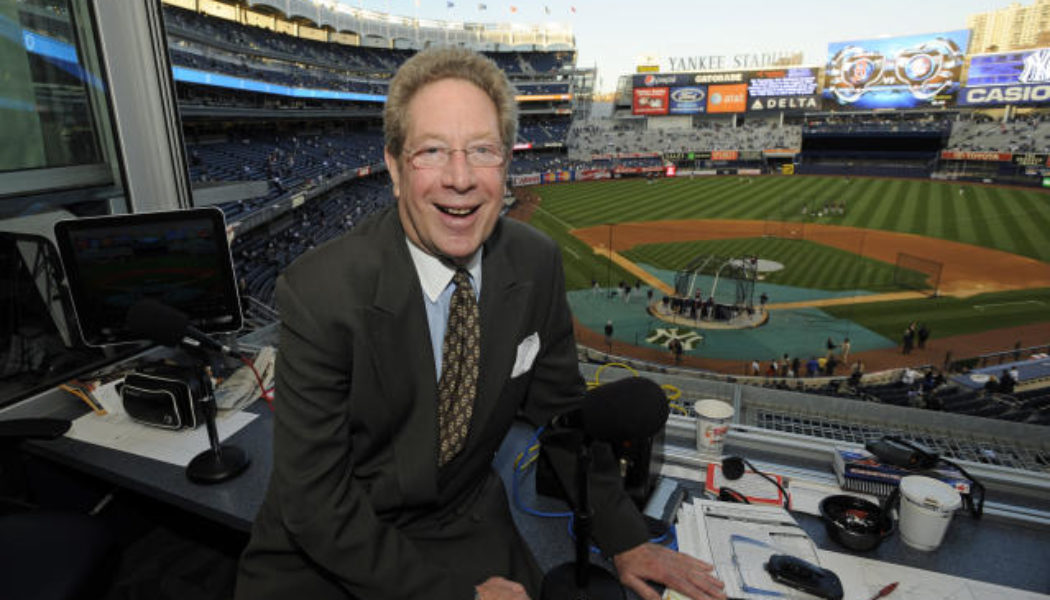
{"points": [[407, 349]]}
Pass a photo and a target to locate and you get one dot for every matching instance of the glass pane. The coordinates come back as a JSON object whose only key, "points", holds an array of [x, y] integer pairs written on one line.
{"points": [[44, 90]]}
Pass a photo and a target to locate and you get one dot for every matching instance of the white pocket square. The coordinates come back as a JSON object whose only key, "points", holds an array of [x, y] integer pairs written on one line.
{"points": [[528, 349]]}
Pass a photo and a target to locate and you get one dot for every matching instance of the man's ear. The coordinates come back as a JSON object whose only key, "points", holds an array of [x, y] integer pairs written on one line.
{"points": [[392, 168]]}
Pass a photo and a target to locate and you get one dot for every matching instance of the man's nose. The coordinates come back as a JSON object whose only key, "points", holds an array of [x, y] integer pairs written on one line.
{"points": [[458, 173]]}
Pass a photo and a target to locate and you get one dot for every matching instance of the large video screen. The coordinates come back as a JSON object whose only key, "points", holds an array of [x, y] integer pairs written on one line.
{"points": [[1021, 77], [791, 89], [900, 72]]}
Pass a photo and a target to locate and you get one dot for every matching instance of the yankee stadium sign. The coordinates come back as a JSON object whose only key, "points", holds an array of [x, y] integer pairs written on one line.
{"points": [[737, 61]]}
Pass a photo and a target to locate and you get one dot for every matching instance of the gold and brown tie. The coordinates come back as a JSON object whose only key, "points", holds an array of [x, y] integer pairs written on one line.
{"points": [[460, 354]]}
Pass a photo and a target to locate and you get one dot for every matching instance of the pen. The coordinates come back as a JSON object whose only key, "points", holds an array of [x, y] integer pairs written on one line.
{"points": [[886, 591]]}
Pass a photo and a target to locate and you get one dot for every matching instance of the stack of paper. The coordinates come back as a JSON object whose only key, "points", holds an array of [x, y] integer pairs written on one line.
{"points": [[738, 540]]}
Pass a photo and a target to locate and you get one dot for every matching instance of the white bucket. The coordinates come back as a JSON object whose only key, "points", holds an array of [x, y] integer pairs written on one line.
{"points": [[712, 423], [927, 506]]}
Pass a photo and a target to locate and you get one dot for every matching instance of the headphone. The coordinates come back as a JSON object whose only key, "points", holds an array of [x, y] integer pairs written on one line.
{"points": [[733, 469]]}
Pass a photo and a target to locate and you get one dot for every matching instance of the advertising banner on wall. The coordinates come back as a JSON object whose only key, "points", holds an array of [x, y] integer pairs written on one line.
{"points": [[650, 101], [688, 100], [525, 179], [981, 156], [727, 98], [592, 174], [784, 104], [899, 72], [662, 80], [1021, 77]]}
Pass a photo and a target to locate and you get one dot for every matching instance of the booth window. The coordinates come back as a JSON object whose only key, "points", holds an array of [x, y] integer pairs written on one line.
{"points": [[58, 160]]}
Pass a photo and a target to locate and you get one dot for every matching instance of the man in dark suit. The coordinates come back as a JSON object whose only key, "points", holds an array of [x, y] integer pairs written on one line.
{"points": [[360, 505]]}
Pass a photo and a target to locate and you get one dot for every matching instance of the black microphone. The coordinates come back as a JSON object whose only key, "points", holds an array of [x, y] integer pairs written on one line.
{"points": [[170, 326], [627, 409]]}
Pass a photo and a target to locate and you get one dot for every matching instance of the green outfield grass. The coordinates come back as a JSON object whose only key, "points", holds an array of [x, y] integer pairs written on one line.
{"points": [[806, 264], [581, 264], [1009, 219], [947, 316]]}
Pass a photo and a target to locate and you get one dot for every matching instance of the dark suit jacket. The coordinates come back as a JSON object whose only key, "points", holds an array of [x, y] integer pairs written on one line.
{"points": [[356, 505]]}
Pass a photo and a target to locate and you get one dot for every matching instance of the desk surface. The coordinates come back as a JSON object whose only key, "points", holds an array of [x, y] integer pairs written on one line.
{"points": [[233, 503], [989, 550]]}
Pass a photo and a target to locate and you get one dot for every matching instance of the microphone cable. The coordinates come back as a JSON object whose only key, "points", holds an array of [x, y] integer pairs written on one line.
{"points": [[526, 459]]}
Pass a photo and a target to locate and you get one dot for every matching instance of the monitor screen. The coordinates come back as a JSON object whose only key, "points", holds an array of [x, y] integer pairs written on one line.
{"points": [[180, 258]]}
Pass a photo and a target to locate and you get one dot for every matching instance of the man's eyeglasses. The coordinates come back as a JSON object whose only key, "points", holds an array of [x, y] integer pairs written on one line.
{"points": [[436, 157]]}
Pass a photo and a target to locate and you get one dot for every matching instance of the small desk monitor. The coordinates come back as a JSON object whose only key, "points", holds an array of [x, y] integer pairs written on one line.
{"points": [[181, 258]]}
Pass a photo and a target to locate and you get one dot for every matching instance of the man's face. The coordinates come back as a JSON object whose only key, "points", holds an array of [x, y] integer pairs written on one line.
{"points": [[449, 211]]}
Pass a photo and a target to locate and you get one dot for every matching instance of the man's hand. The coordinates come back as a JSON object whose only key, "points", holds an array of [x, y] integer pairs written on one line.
{"points": [[680, 572], [498, 588]]}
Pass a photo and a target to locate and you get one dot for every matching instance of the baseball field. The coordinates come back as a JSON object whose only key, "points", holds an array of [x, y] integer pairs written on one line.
{"points": [[830, 236]]}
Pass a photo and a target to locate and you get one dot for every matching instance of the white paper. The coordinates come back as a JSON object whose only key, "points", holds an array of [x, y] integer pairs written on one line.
{"points": [[119, 432], [863, 577]]}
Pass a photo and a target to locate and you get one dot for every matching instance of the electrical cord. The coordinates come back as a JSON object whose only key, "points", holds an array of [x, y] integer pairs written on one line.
{"points": [[265, 393], [527, 458]]}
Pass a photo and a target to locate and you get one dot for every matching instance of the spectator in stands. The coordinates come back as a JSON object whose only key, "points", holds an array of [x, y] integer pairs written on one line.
{"points": [[1006, 382], [812, 366], [364, 500]]}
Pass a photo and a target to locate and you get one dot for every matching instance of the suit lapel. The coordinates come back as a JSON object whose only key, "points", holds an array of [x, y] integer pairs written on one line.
{"points": [[400, 339], [503, 302]]}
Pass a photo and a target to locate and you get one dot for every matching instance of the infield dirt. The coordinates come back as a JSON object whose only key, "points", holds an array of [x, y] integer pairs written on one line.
{"points": [[968, 270]]}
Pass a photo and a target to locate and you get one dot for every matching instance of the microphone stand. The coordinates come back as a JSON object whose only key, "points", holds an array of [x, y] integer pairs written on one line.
{"points": [[219, 462], [579, 579]]}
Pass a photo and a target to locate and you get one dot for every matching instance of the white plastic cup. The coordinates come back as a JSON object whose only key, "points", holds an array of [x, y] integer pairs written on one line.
{"points": [[927, 506], [712, 423]]}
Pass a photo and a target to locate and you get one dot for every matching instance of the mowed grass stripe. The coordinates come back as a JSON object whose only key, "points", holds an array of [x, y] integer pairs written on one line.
{"points": [[936, 223], [917, 201], [1011, 225], [999, 210], [975, 205], [942, 211], [1035, 218], [860, 210], [883, 205]]}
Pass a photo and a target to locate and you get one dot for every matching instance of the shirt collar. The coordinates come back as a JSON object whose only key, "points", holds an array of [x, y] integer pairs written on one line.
{"points": [[435, 275]]}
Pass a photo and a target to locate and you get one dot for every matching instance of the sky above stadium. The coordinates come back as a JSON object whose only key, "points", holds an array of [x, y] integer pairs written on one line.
{"points": [[612, 34]]}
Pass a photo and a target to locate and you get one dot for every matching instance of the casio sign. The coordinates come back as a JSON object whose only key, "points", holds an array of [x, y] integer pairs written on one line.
{"points": [[1007, 94], [687, 95]]}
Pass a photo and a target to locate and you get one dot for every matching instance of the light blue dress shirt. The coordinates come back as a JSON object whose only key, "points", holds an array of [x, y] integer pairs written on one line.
{"points": [[435, 277]]}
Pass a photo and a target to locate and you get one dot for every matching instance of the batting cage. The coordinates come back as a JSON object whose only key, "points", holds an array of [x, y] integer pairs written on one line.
{"points": [[917, 273]]}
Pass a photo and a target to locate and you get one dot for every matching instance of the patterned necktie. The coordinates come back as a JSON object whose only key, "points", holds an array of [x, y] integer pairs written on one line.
{"points": [[460, 354]]}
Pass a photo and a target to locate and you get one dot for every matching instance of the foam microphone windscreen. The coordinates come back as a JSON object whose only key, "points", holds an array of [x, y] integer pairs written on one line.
{"points": [[733, 467], [157, 321], [626, 409]]}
